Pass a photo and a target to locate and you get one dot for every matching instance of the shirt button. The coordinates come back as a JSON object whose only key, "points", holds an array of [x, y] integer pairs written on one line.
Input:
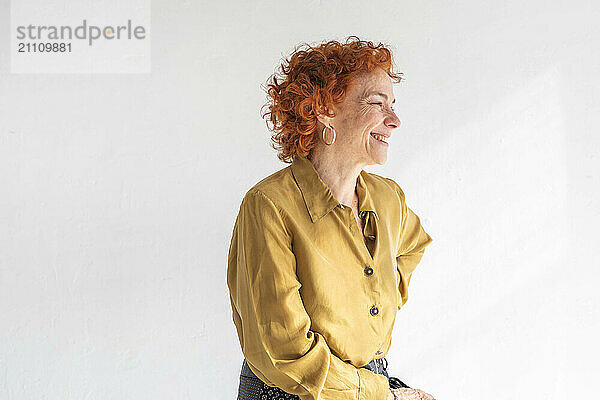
{"points": [[363, 214], [368, 271], [374, 311]]}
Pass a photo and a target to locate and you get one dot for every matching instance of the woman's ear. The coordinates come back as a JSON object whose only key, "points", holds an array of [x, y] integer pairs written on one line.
{"points": [[324, 119]]}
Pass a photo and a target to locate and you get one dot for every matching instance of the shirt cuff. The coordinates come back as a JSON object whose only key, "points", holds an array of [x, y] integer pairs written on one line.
{"points": [[372, 386]]}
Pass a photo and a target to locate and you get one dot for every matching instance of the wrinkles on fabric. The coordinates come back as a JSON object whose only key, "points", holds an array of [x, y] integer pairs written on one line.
{"points": [[313, 297]]}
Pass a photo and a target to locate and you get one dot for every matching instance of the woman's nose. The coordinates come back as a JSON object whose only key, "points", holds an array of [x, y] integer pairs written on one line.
{"points": [[392, 121]]}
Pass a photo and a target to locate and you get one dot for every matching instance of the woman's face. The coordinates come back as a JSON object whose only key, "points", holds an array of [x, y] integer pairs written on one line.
{"points": [[365, 112]]}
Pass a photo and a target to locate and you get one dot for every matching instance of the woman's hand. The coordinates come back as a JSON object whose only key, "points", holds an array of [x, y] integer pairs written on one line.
{"points": [[410, 394]]}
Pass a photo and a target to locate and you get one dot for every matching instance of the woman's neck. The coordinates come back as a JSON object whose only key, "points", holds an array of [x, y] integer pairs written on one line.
{"points": [[340, 175]]}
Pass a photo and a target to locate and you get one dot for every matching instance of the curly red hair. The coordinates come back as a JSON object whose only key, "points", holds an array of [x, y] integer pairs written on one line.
{"points": [[310, 82]]}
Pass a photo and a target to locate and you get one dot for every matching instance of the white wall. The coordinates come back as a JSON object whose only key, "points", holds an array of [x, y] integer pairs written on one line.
{"points": [[119, 193]]}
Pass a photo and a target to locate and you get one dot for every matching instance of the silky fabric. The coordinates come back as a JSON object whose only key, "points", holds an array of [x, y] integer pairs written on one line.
{"points": [[313, 298]]}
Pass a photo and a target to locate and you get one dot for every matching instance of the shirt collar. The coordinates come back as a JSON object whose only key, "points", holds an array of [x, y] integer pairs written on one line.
{"points": [[318, 197]]}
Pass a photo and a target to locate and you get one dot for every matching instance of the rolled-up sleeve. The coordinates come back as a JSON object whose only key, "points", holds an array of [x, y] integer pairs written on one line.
{"points": [[413, 240], [272, 323]]}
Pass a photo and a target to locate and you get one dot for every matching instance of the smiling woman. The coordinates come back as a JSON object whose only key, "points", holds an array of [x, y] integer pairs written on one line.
{"points": [[365, 116], [322, 252], [314, 84]]}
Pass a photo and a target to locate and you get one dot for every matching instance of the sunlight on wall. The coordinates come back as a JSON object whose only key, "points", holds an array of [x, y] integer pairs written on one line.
{"points": [[509, 170]]}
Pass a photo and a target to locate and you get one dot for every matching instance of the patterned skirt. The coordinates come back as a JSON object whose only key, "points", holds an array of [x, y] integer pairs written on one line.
{"points": [[252, 388]]}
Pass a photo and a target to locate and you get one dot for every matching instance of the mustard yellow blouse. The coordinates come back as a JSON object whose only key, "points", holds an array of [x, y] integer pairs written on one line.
{"points": [[311, 301]]}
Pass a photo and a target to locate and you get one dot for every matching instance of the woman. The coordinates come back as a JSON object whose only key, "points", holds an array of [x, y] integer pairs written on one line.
{"points": [[322, 252]]}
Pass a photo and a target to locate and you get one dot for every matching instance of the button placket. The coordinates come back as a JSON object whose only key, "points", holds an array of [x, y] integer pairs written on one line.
{"points": [[368, 270], [354, 228], [370, 225]]}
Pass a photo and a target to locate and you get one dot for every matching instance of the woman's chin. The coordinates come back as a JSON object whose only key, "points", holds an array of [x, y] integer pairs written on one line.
{"points": [[378, 150], [379, 157]]}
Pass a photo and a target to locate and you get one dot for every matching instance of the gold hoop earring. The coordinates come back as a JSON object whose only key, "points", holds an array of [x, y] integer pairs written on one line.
{"points": [[323, 136]]}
